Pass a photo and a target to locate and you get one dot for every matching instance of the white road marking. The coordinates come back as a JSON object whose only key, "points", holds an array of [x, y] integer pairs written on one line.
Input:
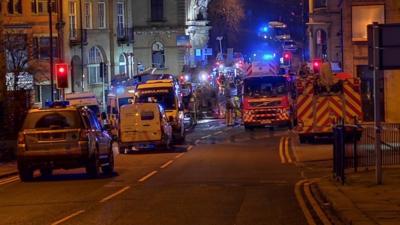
{"points": [[114, 194], [205, 137], [9, 180], [167, 164], [219, 132], [180, 155], [77, 213], [190, 147], [147, 176]]}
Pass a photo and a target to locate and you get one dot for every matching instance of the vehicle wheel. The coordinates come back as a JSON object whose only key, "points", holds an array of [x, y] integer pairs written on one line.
{"points": [[93, 166], [25, 172], [109, 169], [303, 139], [121, 150], [46, 172], [248, 128]]}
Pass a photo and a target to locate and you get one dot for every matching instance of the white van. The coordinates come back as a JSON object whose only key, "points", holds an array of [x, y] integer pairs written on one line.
{"points": [[143, 125]]}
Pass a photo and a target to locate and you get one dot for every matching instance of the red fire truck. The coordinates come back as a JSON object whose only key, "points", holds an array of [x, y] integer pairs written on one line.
{"points": [[265, 99]]}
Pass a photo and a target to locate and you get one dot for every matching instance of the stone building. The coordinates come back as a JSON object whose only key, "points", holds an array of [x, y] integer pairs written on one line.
{"points": [[160, 24], [126, 36], [324, 31]]}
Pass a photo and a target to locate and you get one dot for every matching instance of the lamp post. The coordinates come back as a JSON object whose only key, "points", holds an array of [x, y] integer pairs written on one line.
{"points": [[219, 38], [50, 8]]}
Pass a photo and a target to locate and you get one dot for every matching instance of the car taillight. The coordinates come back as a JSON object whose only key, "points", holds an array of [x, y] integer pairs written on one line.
{"points": [[83, 136], [21, 138]]}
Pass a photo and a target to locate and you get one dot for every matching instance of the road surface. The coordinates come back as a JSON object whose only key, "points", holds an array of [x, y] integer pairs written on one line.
{"points": [[223, 176]]}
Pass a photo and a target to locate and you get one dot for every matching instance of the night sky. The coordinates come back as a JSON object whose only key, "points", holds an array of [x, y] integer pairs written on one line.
{"points": [[258, 12]]}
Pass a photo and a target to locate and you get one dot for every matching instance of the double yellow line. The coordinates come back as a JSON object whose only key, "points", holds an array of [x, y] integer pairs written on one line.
{"points": [[284, 153], [304, 194]]}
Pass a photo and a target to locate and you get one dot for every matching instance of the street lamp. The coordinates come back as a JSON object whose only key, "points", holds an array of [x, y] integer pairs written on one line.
{"points": [[219, 38], [50, 8]]}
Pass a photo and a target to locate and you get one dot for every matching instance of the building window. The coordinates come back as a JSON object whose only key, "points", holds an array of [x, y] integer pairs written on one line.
{"points": [[95, 58], [122, 64], [88, 15], [322, 44], [102, 14], [158, 57], [41, 6], [157, 10], [41, 47], [318, 4], [362, 16], [14, 6], [72, 20], [120, 19]]}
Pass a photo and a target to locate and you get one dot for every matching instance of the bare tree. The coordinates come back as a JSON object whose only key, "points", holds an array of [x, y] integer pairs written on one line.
{"points": [[226, 17], [2, 67]]}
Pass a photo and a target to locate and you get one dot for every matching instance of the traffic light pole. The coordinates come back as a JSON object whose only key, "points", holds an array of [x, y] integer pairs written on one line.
{"points": [[377, 100], [49, 8]]}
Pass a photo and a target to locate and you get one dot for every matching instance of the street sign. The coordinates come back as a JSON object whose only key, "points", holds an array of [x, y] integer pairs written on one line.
{"points": [[388, 45]]}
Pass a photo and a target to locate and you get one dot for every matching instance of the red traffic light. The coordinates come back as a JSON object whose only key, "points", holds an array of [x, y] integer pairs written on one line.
{"points": [[286, 56], [316, 65], [61, 75]]}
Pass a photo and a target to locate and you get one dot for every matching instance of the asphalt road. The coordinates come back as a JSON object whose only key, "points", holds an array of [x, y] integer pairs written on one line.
{"points": [[222, 176]]}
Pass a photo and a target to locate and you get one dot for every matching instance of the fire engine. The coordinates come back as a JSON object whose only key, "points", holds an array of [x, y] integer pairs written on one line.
{"points": [[266, 97], [318, 109]]}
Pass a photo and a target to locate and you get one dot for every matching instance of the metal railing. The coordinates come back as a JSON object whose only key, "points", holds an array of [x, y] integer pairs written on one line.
{"points": [[354, 147]]}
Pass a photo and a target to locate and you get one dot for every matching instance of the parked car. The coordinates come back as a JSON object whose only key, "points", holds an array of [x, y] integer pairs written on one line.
{"points": [[143, 125], [61, 136]]}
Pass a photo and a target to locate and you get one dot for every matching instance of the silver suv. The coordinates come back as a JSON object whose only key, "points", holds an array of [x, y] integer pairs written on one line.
{"points": [[63, 137]]}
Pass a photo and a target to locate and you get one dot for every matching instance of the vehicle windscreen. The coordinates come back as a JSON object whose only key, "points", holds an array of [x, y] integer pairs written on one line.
{"points": [[67, 119], [95, 109], [163, 96], [270, 86], [124, 101]]}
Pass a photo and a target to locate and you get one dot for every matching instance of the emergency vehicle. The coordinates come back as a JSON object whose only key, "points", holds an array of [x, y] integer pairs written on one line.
{"points": [[166, 93], [317, 110], [87, 99], [266, 95]]}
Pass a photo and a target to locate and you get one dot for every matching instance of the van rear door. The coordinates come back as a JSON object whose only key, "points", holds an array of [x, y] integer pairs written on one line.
{"points": [[140, 123]]}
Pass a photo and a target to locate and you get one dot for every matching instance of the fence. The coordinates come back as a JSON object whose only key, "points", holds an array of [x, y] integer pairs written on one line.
{"points": [[354, 147]]}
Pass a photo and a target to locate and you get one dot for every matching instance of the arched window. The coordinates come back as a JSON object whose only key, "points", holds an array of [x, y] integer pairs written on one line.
{"points": [[95, 58], [122, 64], [158, 57], [322, 44]]}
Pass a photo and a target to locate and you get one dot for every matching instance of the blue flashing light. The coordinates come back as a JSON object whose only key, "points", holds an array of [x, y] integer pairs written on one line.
{"points": [[264, 29], [268, 56], [254, 54], [120, 90], [50, 104]]}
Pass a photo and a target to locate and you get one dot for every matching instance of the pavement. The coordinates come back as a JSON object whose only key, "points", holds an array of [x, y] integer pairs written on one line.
{"points": [[359, 201]]}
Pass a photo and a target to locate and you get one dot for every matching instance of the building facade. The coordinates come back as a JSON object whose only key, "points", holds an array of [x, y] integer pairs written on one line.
{"points": [[337, 31], [106, 40], [356, 15], [324, 31]]}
